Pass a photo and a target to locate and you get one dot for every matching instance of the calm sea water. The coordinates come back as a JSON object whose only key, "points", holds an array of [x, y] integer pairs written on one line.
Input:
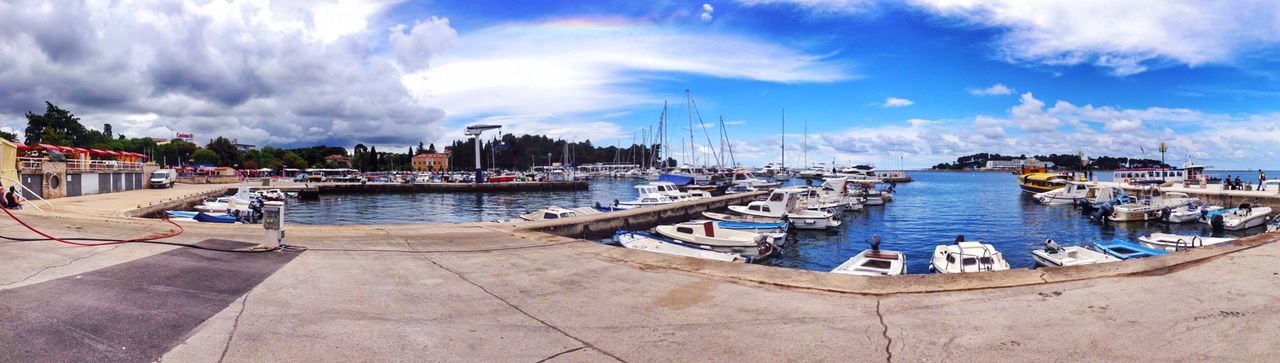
{"points": [[930, 211]]}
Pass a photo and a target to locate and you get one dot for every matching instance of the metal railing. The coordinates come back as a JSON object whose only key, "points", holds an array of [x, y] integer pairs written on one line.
{"points": [[83, 165], [32, 192]]}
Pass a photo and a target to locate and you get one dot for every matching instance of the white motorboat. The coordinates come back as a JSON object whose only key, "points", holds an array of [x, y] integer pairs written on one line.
{"points": [[963, 257], [1174, 242], [647, 242], [837, 189], [1245, 217], [1054, 255], [240, 201], [1149, 208], [1274, 224], [648, 196], [749, 179], [671, 190], [784, 202], [1067, 195], [554, 212], [874, 262], [809, 198], [858, 172], [1099, 195], [707, 234], [1188, 213]]}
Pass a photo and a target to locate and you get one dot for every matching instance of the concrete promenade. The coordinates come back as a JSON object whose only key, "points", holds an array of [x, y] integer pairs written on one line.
{"points": [[497, 292]]}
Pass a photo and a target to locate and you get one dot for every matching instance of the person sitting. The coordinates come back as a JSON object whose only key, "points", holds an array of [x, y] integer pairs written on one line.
{"points": [[11, 199], [1239, 183]]}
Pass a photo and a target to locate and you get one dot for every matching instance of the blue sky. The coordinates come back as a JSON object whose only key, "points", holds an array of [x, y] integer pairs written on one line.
{"points": [[918, 81]]}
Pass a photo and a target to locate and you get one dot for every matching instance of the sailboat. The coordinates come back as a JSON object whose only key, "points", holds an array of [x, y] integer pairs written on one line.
{"points": [[783, 174]]}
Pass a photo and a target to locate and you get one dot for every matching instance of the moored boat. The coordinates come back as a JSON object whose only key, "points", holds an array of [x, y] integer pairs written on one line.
{"points": [[1245, 217], [1053, 255], [1173, 242], [646, 242], [1125, 250], [874, 262], [963, 257], [706, 234]]}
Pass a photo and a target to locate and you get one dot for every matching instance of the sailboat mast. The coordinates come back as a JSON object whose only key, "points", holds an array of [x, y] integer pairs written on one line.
{"points": [[688, 101], [784, 139], [805, 153]]}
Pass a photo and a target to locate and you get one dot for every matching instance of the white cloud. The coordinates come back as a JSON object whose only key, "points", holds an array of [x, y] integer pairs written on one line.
{"points": [[1126, 37], [707, 11], [735, 123], [426, 38], [998, 89], [892, 102], [821, 6], [1122, 125]]}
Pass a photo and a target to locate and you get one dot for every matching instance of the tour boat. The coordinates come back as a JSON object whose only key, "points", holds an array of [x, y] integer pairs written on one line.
{"points": [[874, 262], [963, 257], [1149, 208], [554, 212], [1188, 213], [1150, 176], [1041, 182], [1125, 250], [1245, 217], [706, 234], [1174, 242], [1053, 255], [646, 242], [1067, 195]]}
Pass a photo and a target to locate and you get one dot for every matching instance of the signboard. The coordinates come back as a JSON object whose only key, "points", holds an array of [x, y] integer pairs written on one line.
{"points": [[186, 136]]}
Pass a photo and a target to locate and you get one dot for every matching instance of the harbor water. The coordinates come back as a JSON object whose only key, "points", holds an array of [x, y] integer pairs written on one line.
{"points": [[930, 211]]}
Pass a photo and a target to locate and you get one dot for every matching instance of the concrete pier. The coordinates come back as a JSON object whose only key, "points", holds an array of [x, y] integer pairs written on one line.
{"points": [[1213, 193], [504, 292]]}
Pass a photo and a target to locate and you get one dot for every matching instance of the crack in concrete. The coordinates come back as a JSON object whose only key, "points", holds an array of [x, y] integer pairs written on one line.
{"points": [[561, 353], [234, 326], [521, 310], [885, 332], [73, 260]]}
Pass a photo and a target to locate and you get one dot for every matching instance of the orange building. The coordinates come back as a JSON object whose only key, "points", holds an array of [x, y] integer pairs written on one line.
{"points": [[431, 162]]}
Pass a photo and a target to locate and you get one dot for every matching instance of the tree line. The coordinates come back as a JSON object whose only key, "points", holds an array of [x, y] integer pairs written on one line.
{"points": [[1060, 161], [57, 126]]}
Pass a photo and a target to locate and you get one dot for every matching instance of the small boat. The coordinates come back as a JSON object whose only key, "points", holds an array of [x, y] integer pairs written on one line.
{"points": [[1245, 217], [554, 212], [273, 195], [1070, 194], [1173, 242], [785, 202], [1149, 208], [1274, 224], [963, 257], [874, 262], [1054, 255], [1040, 181], [180, 214], [648, 196], [740, 218], [706, 234], [758, 227], [748, 179], [207, 218], [501, 178], [1188, 213], [1125, 250], [646, 242]]}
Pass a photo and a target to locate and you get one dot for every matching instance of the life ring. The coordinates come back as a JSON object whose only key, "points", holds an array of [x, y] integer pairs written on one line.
{"points": [[1126, 181]]}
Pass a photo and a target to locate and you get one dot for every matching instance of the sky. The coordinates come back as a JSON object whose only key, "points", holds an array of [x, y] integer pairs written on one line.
{"points": [[893, 83]]}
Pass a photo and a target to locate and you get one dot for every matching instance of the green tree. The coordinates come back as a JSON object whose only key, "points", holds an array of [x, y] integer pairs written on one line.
{"points": [[228, 154], [55, 126], [292, 160], [205, 156], [9, 136], [432, 148], [419, 149], [359, 157], [372, 159], [106, 130]]}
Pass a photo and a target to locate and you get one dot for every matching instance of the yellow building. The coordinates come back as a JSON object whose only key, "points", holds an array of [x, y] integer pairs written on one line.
{"points": [[431, 162], [8, 163]]}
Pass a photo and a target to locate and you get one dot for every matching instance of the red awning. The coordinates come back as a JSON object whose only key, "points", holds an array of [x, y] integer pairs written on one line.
{"points": [[112, 153], [25, 147], [97, 152], [52, 147]]}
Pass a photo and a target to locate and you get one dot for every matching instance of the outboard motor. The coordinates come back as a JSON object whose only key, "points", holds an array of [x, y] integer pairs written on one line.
{"points": [[1051, 246], [875, 243], [1165, 213], [1216, 223], [959, 238], [1103, 212]]}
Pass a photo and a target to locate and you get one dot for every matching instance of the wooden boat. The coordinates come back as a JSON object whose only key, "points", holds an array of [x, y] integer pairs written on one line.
{"points": [[646, 242], [963, 257], [1173, 242], [1053, 255], [1125, 250]]}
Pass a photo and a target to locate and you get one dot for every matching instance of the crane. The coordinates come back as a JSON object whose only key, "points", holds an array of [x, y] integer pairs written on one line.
{"points": [[474, 132]]}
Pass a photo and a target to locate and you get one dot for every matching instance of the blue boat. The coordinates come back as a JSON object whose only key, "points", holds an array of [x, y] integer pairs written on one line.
{"points": [[678, 180], [180, 214], [752, 225], [1125, 250], [201, 217]]}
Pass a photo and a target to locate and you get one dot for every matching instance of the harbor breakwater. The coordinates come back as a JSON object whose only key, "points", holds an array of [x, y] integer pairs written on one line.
{"points": [[604, 225]]}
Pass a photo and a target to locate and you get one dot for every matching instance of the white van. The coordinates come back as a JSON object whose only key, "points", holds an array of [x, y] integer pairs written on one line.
{"points": [[163, 178]]}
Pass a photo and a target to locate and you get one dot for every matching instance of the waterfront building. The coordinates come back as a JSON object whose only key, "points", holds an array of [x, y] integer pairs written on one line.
{"points": [[1016, 164], [431, 161]]}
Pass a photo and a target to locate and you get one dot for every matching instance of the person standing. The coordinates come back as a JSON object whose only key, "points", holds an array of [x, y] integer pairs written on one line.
{"points": [[1262, 177]]}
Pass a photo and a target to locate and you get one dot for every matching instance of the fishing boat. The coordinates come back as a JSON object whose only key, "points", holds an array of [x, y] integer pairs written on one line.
{"points": [[706, 234], [554, 212], [963, 257], [1174, 242], [1245, 217], [1067, 195], [1125, 250], [1149, 208], [874, 262], [646, 242], [1053, 255], [1188, 213]]}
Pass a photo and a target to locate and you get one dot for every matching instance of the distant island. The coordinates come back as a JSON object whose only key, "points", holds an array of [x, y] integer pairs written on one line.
{"points": [[986, 161]]}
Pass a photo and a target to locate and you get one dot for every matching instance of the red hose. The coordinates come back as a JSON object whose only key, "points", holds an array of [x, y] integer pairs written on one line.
{"points": [[152, 238]]}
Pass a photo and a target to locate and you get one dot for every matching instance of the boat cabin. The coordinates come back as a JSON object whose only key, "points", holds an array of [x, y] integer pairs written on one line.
{"points": [[1150, 175]]}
